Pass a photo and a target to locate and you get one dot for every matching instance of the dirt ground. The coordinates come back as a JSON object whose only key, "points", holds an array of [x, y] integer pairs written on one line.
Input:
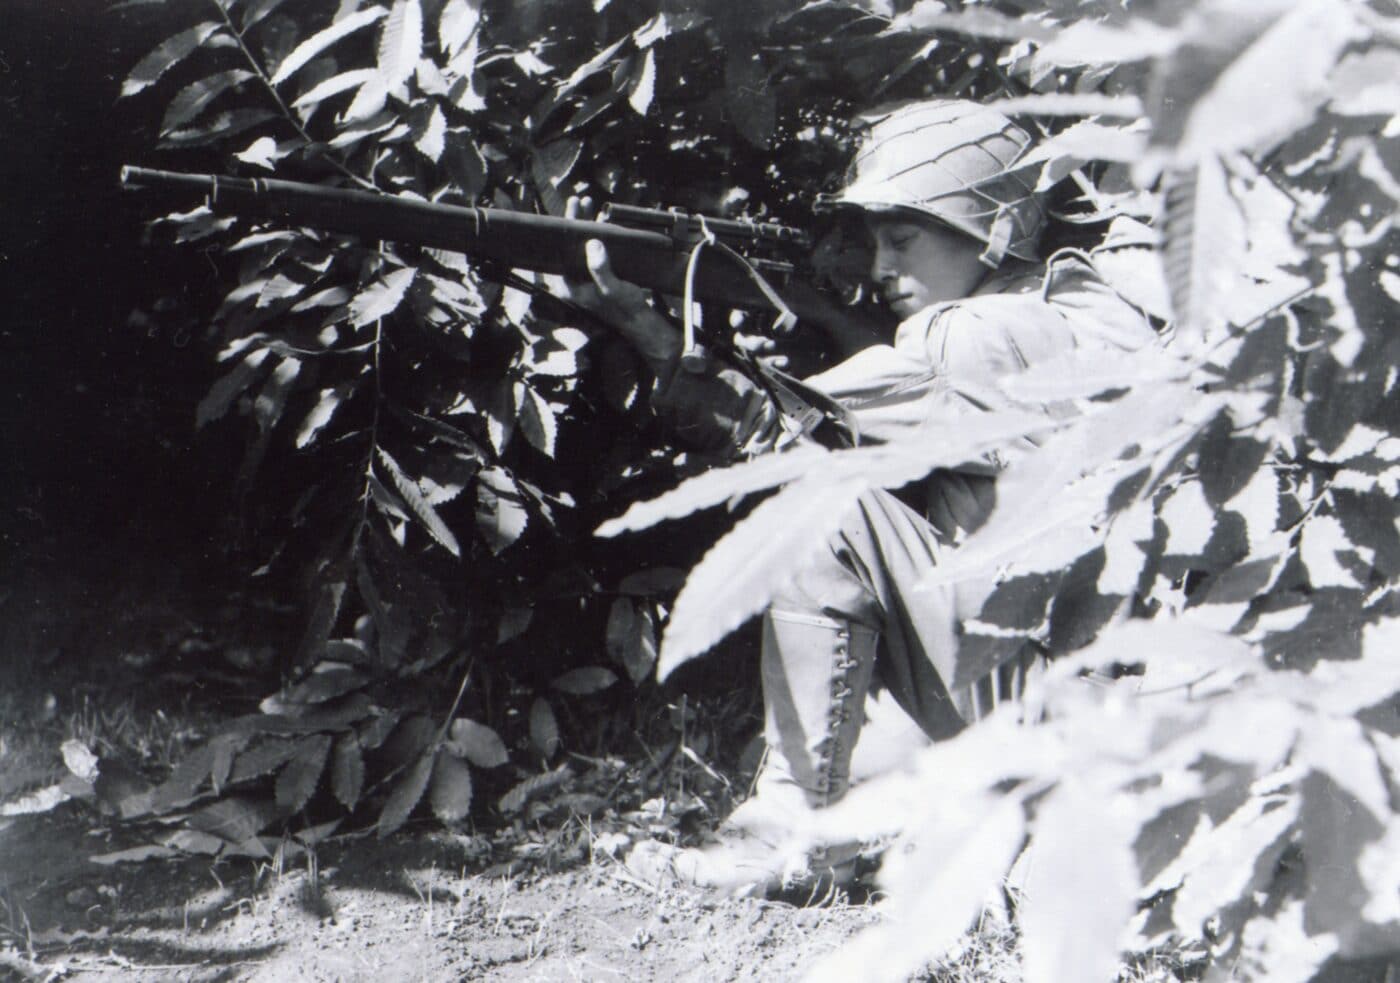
{"points": [[423, 905]]}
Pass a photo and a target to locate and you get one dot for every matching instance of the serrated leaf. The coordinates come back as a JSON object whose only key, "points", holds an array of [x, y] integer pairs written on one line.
{"points": [[425, 514], [166, 56], [406, 794], [642, 86], [367, 106], [1248, 75], [585, 681], [262, 759], [272, 398], [976, 22], [381, 298], [451, 791], [515, 799], [401, 43], [749, 98], [235, 820], [1071, 104], [1228, 461], [322, 413], [739, 575], [544, 728], [192, 100], [1322, 539], [323, 39], [1081, 890], [1230, 861], [185, 781], [1204, 238], [220, 127], [347, 771], [1189, 519], [500, 509], [1368, 520], [332, 86], [229, 387], [262, 152], [478, 743], [256, 11], [537, 421], [433, 140], [297, 780], [457, 24]]}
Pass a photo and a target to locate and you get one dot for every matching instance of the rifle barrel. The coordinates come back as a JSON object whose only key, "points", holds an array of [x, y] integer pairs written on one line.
{"points": [[519, 240]]}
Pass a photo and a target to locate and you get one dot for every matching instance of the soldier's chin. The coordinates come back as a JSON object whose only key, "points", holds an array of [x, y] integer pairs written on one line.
{"points": [[903, 307]]}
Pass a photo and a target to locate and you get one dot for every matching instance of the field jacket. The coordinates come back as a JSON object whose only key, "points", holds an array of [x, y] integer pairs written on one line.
{"points": [[943, 361]]}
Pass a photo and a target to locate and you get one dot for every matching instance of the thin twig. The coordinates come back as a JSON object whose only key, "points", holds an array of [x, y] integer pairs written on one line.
{"points": [[282, 106]]}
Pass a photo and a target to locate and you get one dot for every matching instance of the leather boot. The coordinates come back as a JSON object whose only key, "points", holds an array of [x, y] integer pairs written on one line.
{"points": [[816, 672]]}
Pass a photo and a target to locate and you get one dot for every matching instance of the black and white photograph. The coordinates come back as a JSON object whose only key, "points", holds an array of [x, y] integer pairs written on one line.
{"points": [[895, 491]]}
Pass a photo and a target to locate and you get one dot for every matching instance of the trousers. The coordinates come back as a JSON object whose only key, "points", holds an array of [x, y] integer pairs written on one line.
{"points": [[866, 574]]}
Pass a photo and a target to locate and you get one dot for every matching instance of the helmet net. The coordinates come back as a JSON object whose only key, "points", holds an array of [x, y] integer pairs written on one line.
{"points": [[955, 161]]}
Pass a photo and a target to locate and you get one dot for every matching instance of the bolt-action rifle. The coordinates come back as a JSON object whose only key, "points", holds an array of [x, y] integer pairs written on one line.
{"points": [[725, 261]]}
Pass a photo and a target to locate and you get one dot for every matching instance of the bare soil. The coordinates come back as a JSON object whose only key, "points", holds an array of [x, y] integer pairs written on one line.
{"points": [[423, 905]]}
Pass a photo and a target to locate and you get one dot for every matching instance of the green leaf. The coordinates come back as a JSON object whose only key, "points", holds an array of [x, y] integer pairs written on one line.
{"points": [[1232, 861], [1335, 829], [262, 759], [323, 39], [642, 86], [381, 298], [322, 412], [478, 743], [1368, 520], [739, 575], [457, 24], [749, 97], [333, 86], [185, 782], [236, 820], [195, 97], [585, 681], [166, 56], [272, 399], [975, 22], [401, 42], [1071, 104], [257, 11], [537, 421], [228, 388], [1079, 612], [500, 509], [1248, 75], [425, 514], [432, 141], [451, 791], [297, 780], [719, 485], [631, 638], [1322, 539], [544, 728], [1228, 461], [406, 794], [1081, 890], [1203, 233], [220, 127], [347, 771]]}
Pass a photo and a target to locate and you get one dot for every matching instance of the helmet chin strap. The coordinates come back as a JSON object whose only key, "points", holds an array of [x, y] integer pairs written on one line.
{"points": [[999, 238]]}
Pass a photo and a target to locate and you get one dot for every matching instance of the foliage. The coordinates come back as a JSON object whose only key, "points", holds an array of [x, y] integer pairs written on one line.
{"points": [[1209, 545], [1214, 532], [444, 443]]}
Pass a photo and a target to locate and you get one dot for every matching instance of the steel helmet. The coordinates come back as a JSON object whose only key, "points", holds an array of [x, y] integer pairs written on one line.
{"points": [[953, 160]]}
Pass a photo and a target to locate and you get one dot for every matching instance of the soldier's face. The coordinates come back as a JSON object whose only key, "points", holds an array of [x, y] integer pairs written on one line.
{"points": [[918, 263]]}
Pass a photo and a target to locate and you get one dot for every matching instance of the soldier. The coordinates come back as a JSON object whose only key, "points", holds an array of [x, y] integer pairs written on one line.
{"points": [[955, 227]]}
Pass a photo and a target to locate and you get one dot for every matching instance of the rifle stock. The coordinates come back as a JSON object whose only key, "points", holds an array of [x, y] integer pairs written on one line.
{"points": [[517, 240]]}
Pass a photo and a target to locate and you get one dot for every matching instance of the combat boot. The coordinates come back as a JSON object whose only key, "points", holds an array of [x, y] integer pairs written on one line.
{"points": [[816, 672]]}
